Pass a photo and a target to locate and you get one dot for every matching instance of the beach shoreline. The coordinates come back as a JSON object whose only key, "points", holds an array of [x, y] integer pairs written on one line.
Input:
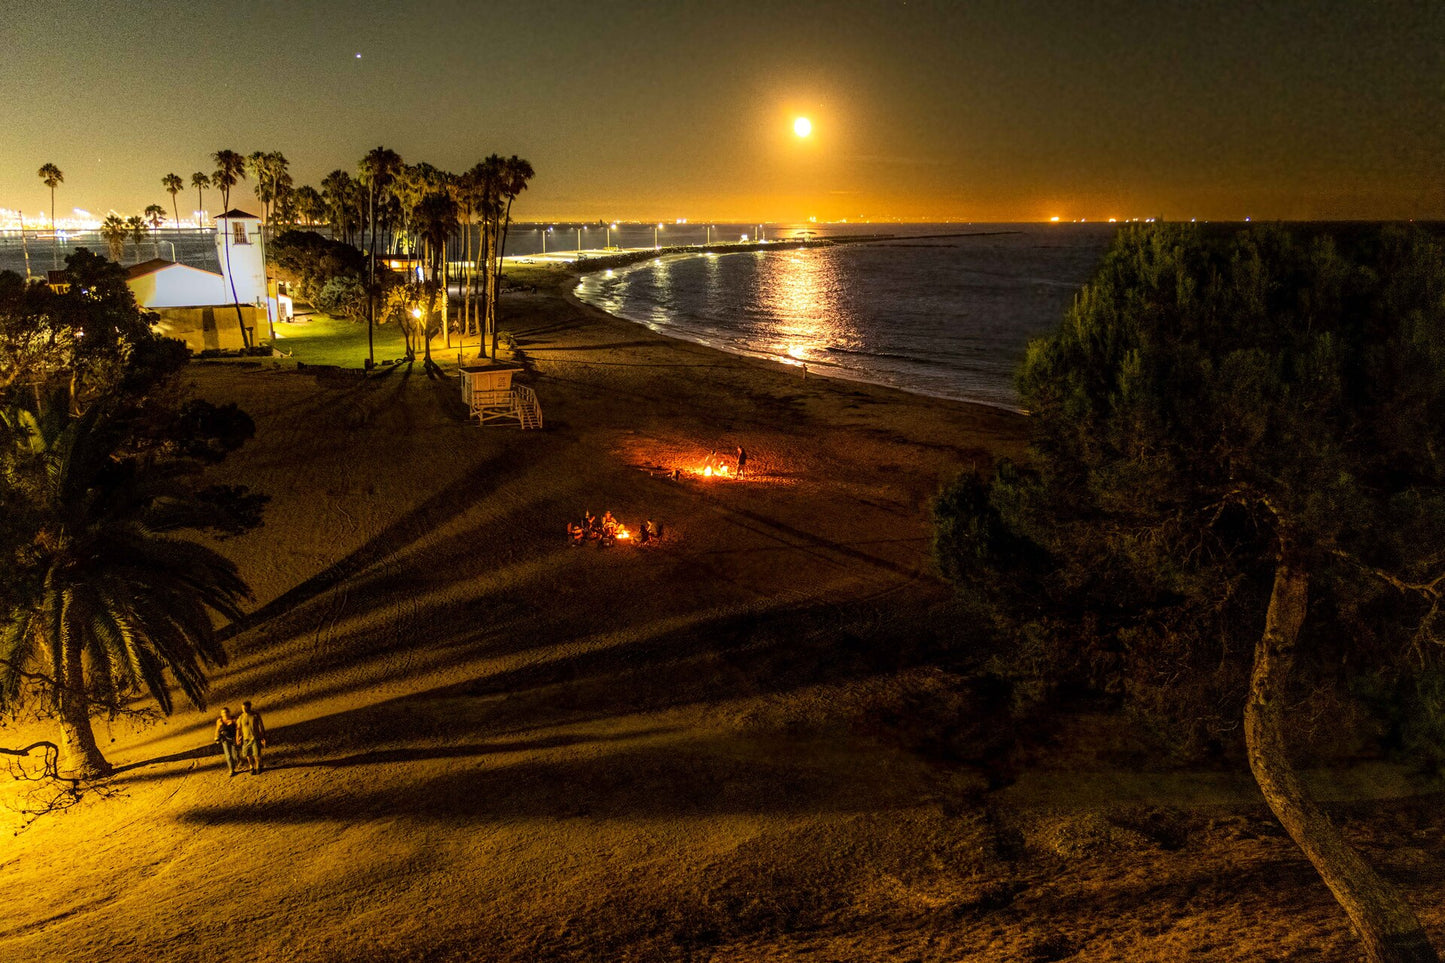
{"points": [[503, 747]]}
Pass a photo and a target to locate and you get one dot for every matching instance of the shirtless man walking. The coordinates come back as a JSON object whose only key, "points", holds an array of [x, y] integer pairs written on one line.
{"points": [[253, 736]]}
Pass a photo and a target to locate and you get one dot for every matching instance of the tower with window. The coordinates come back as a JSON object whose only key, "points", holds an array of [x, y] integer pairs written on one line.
{"points": [[242, 252]]}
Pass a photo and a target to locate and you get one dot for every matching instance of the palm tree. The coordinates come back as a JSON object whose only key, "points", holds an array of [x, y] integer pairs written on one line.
{"points": [[155, 216], [515, 173], [174, 185], [488, 179], [200, 182], [464, 191], [272, 179], [337, 188], [436, 218], [136, 225], [113, 602], [53, 178], [310, 206], [113, 231], [377, 170], [230, 168]]}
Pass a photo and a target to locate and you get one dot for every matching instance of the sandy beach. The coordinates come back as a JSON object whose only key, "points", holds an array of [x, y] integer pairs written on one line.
{"points": [[487, 744]]}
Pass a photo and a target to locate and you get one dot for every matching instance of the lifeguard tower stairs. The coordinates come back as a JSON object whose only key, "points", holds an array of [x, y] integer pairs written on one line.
{"points": [[490, 396]]}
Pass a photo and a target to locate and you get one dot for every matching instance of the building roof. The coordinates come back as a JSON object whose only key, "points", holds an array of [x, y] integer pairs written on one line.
{"points": [[61, 276], [143, 268], [236, 214], [159, 264]]}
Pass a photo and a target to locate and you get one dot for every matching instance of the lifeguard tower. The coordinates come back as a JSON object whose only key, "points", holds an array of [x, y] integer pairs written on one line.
{"points": [[491, 396]]}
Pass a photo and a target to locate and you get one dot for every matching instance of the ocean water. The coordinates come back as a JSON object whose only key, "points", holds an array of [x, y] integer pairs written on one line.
{"points": [[946, 316], [196, 248]]}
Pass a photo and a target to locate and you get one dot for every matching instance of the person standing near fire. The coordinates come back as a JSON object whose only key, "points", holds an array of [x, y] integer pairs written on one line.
{"points": [[742, 459]]}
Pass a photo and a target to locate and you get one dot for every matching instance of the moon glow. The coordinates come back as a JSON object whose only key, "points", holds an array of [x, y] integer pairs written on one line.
{"points": [[802, 127]]}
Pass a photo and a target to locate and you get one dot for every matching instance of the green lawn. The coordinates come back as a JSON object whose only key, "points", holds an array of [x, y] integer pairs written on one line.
{"points": [[318, 338], [321, 339]]}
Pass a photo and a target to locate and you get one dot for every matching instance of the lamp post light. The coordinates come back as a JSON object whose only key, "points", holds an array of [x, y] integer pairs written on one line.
{"points": [[655, 245], [579, 241], [709, 234], [610, 229]]}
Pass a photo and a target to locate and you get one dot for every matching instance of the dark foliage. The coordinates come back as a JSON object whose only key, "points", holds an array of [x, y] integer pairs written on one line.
{"points": [[1204, 398], [101, 456], [326, 274]]}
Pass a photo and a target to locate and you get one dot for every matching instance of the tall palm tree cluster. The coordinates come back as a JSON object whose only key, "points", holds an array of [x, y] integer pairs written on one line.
{"points": [[436, 218], [439, 219], [104, 598]]}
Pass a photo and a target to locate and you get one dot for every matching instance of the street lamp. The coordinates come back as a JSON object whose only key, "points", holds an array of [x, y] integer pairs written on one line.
{"points": [[655, 245], [579, 240], [610, 229]]}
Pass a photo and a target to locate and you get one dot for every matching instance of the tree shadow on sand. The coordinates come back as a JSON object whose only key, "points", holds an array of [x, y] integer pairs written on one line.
{"points": [[475, 485], [714, 774]]}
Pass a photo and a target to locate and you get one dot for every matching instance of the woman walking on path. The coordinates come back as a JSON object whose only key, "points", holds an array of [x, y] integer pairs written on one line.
{"points": [[226, 735]]}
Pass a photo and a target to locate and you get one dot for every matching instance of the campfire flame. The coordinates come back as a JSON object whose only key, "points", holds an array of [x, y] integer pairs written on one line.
{"points": [[708, 471]]}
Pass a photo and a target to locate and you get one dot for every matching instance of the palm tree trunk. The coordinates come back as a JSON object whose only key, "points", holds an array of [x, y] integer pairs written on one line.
{"points": [[467, 282], [25, 246], [501, 255], [80, 757], [1388, 928], [371, 285], [491, 289]]}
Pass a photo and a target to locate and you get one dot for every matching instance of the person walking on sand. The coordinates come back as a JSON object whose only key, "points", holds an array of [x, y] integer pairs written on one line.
{"points": [[226, 734], [252, 735], [742, 459]]}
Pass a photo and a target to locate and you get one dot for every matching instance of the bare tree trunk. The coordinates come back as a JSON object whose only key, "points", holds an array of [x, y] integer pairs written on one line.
{"points": [[80, 757], [1388, 928]]}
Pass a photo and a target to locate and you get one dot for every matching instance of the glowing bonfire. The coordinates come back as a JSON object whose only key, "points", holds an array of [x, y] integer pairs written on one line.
{"points": [[708, 471], [607, 531]]}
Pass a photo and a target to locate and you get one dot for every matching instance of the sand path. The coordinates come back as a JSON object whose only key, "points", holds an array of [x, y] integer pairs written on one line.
{"points": [[488, 745]]}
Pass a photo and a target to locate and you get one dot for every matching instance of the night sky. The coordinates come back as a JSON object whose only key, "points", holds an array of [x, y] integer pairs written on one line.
{"points": [[926, 111]]}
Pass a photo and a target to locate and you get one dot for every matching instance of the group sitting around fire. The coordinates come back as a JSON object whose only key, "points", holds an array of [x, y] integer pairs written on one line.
{"points": [[606, 530]]}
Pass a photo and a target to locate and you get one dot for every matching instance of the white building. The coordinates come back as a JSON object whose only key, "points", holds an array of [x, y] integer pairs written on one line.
{"points": [[185, 296], [159, 283]]}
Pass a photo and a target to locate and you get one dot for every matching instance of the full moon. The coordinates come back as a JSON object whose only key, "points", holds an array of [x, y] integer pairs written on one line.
{"points": [[802, 127]]}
